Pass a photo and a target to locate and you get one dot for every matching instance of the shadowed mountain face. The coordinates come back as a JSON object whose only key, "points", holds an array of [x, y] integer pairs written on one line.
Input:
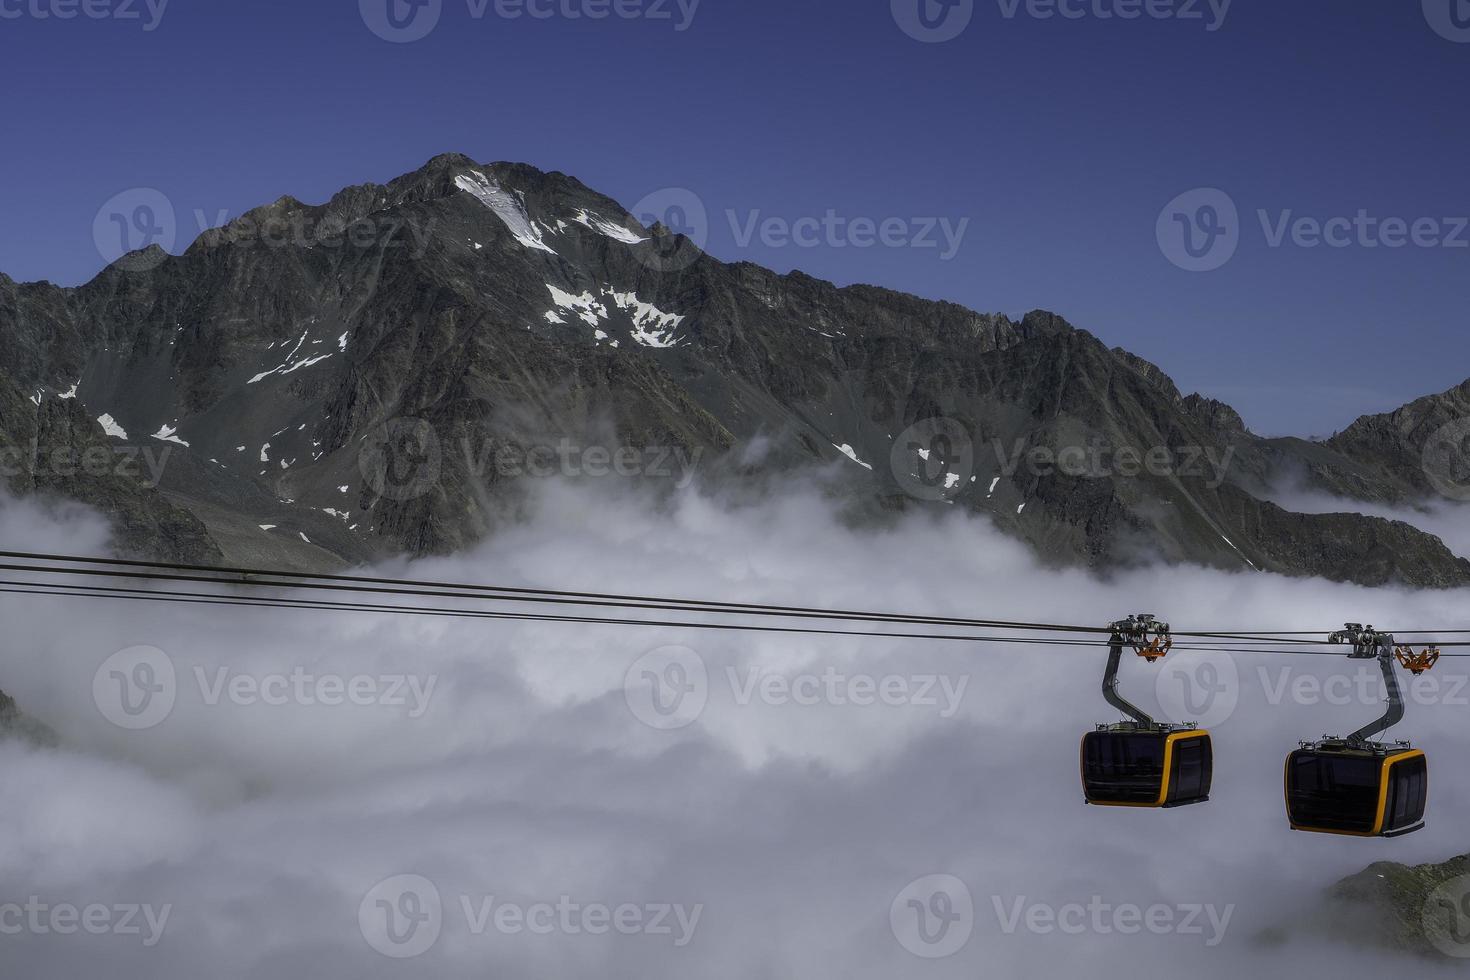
{"points": [[309, 386]]}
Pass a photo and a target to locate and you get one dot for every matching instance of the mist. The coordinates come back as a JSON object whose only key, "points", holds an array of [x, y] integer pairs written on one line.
{"points": [[776, 825]]}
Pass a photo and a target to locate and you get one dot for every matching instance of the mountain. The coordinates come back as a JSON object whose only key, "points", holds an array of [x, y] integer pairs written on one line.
{"points": [[1423, 910], [325, 385], [14, 724]]}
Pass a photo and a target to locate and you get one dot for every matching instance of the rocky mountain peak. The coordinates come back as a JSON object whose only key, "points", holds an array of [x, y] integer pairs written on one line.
{"points": [[497, 304]]}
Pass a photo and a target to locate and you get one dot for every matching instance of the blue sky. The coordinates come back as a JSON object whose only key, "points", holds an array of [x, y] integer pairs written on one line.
{"points": [[1055, 144]]}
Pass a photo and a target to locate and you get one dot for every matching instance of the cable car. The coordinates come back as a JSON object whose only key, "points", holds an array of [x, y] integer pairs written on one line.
{"points": [[1355, 786], [1337, 787], [1143, 763], [1132, 765]]}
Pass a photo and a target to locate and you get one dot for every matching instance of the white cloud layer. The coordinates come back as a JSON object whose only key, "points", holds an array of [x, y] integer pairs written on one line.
{"points": [[791, 828]]}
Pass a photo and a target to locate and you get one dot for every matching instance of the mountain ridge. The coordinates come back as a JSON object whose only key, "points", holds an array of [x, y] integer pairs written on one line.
{"points": [[501, 305]]}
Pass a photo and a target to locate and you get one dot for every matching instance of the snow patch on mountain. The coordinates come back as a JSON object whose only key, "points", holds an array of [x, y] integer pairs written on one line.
{"points": [[110, 426], [851, 454], [507, 207], [585, 306], [611, 229], [168, 433], [289, 366], [652, 326]]}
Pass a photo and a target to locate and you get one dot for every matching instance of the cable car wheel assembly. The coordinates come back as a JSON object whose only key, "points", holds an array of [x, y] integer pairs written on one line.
{"points": [[1350, 785], [1356, 786], [1143, 762]]}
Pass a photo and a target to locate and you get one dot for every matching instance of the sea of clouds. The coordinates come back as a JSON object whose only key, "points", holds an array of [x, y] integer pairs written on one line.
{"points": [[530, 813]]}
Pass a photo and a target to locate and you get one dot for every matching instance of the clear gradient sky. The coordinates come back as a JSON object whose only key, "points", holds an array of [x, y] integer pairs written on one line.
{"points": [[1062, 140]]}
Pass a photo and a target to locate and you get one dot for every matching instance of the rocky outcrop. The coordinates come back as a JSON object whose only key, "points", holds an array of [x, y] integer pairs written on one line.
{"points": [[338, 383]]}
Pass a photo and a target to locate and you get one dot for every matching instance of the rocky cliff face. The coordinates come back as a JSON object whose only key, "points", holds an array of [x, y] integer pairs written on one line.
{"points": [[14, 724], [381, 374], [1422, 910]]}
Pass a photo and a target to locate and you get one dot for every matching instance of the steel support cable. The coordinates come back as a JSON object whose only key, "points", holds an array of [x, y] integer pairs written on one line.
{"points": [[429, 589], [97, 591]]}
